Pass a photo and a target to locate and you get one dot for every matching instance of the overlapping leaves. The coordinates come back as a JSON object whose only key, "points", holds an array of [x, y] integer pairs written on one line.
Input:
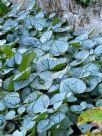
{"points": [[49, 74]]}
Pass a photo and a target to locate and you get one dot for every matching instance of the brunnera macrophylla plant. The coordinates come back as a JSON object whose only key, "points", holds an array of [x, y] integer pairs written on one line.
{"points": [[49, 74]]}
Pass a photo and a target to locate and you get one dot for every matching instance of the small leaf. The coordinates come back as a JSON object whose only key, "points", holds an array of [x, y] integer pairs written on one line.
{"points": [[79, 108], [10, 115], [82, 37], [2, 42], [8, 84], [75, 43], [31, 4], [57, 100], [21, 110], [27, 124], [39, 23], [55, 21], [2, 106], [18, 133], [43, 125], [46, 36], [18, 58], [2, 121], [12, 44], [98, 50], [10, 127]]}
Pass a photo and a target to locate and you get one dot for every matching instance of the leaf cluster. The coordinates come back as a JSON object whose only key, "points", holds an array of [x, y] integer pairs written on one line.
{"points": [[49, 74]]}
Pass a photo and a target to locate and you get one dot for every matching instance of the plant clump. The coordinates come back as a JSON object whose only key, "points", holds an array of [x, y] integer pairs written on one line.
{"points": [[49, 74]]}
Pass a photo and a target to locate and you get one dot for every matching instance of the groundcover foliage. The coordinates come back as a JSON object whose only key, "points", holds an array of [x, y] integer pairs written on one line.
{"points": [[49, 74]]}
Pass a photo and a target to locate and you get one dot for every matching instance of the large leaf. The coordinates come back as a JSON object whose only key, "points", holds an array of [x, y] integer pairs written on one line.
{"points": [[59, 47], [32, 97], [23, 83], [49, 122], [9, 25], [50, 64], [37, 23], [40, 105], [30, 41], [12, 100], [73, 85], [88, 44], [37, 84], [80, 57]]}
